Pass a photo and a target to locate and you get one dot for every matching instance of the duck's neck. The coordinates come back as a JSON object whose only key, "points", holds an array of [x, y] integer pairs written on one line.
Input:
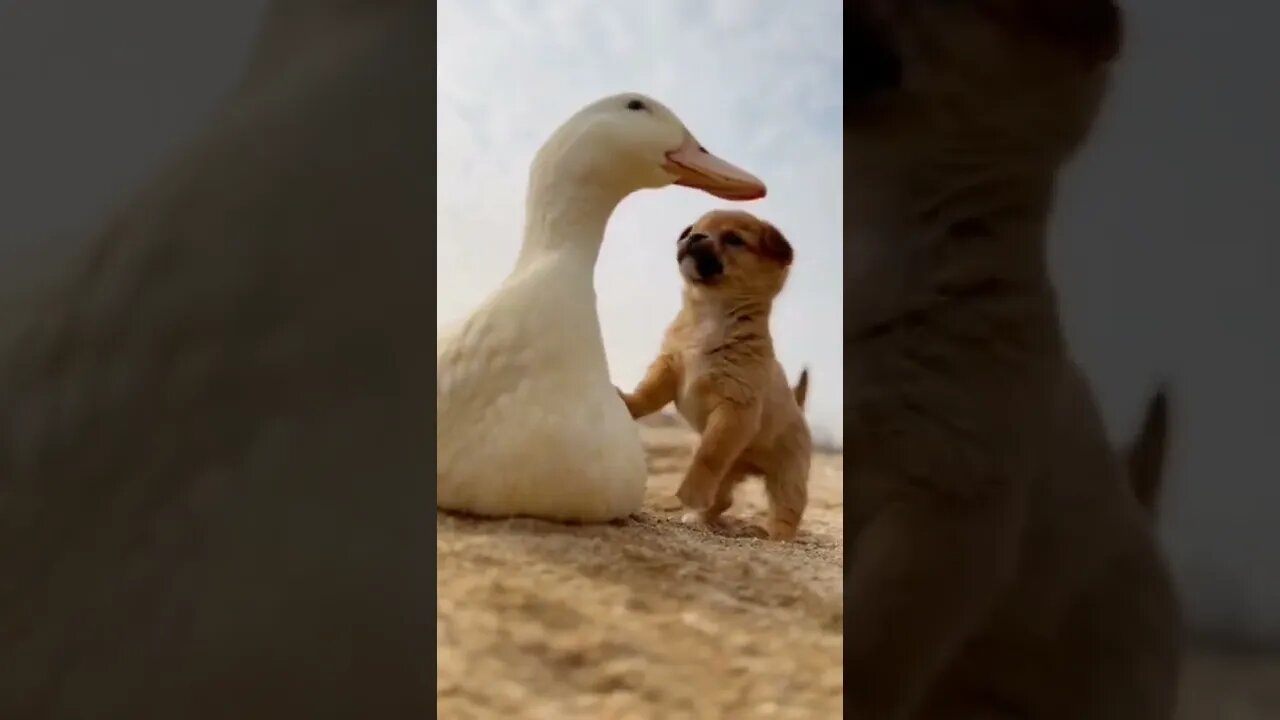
{"points": [[565, 219], [934, 234]]}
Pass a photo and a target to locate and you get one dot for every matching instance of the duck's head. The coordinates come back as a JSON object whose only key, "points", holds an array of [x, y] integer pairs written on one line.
{"points": [[630, 142]]}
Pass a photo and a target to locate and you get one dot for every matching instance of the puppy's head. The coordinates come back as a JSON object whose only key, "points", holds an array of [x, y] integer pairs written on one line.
{"points": [[734, 252], [1017, 78]]}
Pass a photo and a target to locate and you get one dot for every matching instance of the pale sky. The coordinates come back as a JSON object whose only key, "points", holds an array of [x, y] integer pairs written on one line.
{"points": [[759, 83]]}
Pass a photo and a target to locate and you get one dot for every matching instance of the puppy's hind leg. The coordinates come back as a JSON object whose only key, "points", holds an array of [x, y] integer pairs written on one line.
{"points": [[787, 487]]}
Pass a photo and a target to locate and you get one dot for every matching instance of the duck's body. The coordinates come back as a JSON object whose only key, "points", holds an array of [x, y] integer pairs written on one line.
{"points": [[528, 421]]}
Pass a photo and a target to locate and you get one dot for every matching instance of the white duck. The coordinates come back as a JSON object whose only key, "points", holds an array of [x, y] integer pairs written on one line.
{"points": [[528, 422]]}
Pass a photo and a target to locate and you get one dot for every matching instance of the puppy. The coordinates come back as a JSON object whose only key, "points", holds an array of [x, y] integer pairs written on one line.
{"points": [[1002, 561], [717, 364]]}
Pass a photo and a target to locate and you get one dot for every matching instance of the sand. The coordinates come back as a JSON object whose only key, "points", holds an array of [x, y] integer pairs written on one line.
{"points": [[647, 619], [650, 619]]}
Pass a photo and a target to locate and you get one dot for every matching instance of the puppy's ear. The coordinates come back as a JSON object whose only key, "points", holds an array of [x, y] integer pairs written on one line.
{"points": [[774, 246]]}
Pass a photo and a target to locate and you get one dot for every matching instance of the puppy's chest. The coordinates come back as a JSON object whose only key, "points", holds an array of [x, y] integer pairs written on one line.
{"points": [[695, 394]]}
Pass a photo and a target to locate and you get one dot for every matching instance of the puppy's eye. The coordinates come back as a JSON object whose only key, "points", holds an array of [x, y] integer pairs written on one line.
{"points": [[684, 233], [732, 240], [636, 105]]}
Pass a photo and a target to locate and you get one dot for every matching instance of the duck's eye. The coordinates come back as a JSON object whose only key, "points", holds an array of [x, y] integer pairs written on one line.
{"points": [[732, 240], [636, 105], [685, 233]]}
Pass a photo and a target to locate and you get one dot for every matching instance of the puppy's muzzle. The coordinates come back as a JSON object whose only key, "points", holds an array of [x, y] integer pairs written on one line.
{"points": [[699, 252]]}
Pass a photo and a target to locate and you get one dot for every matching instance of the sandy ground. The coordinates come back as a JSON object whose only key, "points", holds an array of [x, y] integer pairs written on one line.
{"points": [[648, 619], [652, 620]]}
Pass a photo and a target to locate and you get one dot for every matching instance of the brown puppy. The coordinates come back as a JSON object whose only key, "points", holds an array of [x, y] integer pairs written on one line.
{"points": [[717, 365], [1001, 563]]}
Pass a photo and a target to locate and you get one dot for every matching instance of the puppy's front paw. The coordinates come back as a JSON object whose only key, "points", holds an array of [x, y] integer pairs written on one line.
{"points": [[724, 525], [693, 518], [780, 533], [626, 400], [695, 497]]}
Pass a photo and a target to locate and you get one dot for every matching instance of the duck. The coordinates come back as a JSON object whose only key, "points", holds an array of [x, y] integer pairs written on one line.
{"points": [[528, 421]]}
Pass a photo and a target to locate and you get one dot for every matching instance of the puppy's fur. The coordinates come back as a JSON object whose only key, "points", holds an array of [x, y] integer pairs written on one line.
{"points": [[717, 364], [1001, 565]]}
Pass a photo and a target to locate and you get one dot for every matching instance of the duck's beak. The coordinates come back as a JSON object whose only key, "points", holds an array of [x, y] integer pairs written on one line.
{"points": [[696, 168]]}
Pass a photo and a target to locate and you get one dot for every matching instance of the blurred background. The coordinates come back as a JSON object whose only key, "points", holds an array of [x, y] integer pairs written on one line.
{"points": [[1163, 245]]}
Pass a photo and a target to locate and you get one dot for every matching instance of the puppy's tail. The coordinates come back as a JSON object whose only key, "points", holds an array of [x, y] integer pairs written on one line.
{"points": [[802, 387], [1146, 454]]}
